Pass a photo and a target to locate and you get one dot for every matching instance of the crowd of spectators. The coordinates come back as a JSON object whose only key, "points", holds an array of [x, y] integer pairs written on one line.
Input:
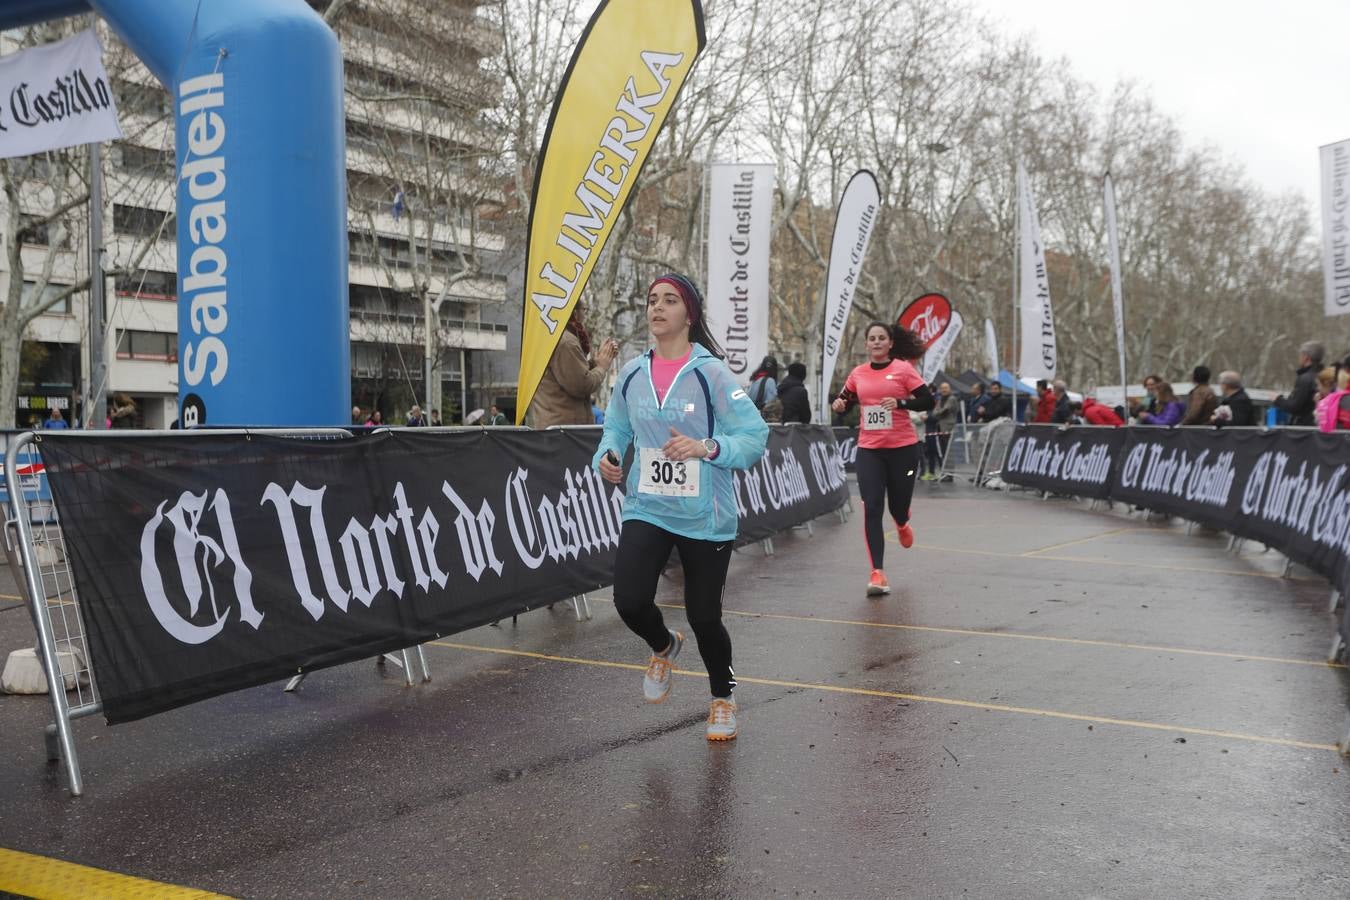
{"points": [[1319, 398]]}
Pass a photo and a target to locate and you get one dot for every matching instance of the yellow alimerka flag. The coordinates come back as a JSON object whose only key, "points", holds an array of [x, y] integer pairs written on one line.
{"points": [[628, 68]]}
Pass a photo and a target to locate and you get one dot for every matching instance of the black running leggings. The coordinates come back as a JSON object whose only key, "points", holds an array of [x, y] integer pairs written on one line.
{"points": [[885, 476], [643, 552]]}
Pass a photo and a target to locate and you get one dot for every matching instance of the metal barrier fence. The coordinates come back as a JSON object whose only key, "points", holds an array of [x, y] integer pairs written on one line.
{"points": [[976, 450]]}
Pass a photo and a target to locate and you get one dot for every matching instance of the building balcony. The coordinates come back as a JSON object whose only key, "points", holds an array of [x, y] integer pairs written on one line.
{"points": [[406, 328]]}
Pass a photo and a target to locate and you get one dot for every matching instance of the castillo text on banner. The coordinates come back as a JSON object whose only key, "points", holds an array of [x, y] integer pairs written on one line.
{"points": [[937, 354], [1113, 245], [1336, 226], [740, 207], [56, 96], [625, 74], [1038, 359], [853, 223]]}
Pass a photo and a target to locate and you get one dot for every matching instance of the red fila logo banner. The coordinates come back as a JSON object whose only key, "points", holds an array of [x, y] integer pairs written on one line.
{"points": [[928, 317]]}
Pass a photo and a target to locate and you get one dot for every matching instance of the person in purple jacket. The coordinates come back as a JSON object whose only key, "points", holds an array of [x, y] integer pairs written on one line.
{"points": [[1170, 410]]}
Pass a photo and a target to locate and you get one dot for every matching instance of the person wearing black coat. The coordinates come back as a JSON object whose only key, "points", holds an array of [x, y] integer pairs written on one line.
{"points": [[1300, 404], [792, 394], [997, 407], [1235, 407]]}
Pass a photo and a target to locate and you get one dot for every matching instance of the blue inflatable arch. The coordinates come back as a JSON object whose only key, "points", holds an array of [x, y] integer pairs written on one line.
{"points": [[262, 200]]}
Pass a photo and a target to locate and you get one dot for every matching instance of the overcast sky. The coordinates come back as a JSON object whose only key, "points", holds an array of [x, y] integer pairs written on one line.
{"points": [[1266, 83]]}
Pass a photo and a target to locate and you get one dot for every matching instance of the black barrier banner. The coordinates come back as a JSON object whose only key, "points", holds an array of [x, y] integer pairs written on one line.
{"points": [[209, 563], [778, 493], [847, 439], [1063, 461], [1285, 488]]}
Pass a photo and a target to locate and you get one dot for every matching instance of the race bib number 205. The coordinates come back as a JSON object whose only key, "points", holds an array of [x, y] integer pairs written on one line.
{"points": [[876, 418], [668, 477]]}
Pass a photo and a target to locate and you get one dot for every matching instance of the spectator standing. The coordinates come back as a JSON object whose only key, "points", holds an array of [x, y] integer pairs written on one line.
{"points": [[1235, 407], [763, 390], [997, 407], [1333, 410], [1300, 404], [435, 418], [123, 412], [415, 417], [1063, 407], [496, 417], [376, 419], [1095, 413], [56, 422], [940, 423], [1044, 412], [1151, 383], [572, 377], [1201, 401], [977, 398], [1170, 409], [357, 416], [792, 394]]}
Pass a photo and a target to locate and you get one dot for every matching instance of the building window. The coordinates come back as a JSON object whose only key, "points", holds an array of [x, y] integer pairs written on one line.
{"points": [[42, 235], [153, 345], [148, 285], [51, 290], [143, 100], [143, 222], [146, 162]]}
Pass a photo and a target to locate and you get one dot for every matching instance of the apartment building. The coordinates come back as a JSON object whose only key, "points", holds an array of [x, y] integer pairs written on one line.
{"points": [[417, 235]]}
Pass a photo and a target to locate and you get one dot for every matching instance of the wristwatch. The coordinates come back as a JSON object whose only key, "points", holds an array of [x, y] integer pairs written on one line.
{"points": [[711, 446]]}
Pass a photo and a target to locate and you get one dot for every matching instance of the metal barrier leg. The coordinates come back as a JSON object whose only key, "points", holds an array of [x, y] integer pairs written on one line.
{"points": [[1344, 745], [1288, 567], [422, 659], [1336, 601], [407, 668], [51, 663], [767, 543], [1337, 648], [582, 607], [294, 683]]}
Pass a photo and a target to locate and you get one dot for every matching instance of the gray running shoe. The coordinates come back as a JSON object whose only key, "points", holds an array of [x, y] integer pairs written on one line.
{"points": [[722, 720], [656, 680]]}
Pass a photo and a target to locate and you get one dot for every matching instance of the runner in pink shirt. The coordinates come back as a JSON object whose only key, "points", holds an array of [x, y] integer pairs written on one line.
{"points": [[886, 388]]}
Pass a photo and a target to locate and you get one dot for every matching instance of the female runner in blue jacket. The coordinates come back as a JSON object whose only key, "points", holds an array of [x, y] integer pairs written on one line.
{"points": [[689, 423]]}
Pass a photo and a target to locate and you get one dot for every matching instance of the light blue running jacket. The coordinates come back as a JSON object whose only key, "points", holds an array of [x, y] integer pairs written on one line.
{"points": [[704, 401]]}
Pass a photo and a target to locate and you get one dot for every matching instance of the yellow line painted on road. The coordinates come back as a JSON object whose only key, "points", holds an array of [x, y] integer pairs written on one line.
{"points": [[916, 698], [1078, 541], [29, 875], [975, 632], [891, 536]]}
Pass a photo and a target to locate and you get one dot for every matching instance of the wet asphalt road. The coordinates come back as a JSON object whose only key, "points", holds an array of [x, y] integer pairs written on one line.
{"points": [[1021, 717]]}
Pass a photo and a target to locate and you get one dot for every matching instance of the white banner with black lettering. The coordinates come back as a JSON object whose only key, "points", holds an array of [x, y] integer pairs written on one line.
{"points": [[1113, 248], [853, 223], [1336, 227], [56, 96], [937, 354], [1039, 354], [740, 212]]}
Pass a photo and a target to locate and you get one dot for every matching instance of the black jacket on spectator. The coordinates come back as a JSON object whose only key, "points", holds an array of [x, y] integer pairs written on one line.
{"points": [[796, 403], [1244, 415], [996, 408], [1063, 410], [1300, 403]]}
